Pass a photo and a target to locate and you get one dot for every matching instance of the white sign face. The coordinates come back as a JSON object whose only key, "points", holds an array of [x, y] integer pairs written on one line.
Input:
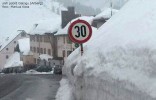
{"points": [[80, 31]]}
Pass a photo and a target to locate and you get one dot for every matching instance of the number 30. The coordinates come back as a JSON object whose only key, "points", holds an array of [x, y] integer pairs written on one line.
{"points": [[81, 31]]}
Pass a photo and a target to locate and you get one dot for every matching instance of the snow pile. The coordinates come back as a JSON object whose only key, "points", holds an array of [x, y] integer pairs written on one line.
{"points": [[14, 61], [22, 18], [47, 26], [106, 14], [65, 30], [45, 57], [120, 62], [24, 45], [65, 91], [36, 72]]}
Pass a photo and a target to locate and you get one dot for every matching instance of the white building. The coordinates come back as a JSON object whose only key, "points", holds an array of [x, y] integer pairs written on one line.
{"points": [[8, 47]]}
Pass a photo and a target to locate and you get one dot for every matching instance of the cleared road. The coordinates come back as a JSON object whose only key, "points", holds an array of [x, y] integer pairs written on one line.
{"points": [[28, 87]]}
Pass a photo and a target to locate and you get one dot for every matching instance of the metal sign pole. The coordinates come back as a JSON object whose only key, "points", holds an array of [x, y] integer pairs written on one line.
{"points": [[81, 49]]}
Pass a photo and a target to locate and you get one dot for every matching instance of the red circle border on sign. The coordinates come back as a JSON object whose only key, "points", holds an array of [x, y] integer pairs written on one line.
{"points": [[70, 31]]}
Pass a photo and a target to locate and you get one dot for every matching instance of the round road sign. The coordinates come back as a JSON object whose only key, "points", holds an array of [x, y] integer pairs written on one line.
{"points": [[80, 31]]}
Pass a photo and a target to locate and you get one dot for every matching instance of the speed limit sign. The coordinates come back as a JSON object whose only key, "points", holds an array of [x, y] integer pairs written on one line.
{"points": [[80, 31]]}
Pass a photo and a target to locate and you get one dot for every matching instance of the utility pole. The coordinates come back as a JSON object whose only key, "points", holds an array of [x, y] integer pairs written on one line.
{"points": [[111, 6]]}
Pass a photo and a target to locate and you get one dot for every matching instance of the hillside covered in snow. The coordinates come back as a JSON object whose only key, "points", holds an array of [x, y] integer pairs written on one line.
{"points": [[119, 62], [14, 19]]}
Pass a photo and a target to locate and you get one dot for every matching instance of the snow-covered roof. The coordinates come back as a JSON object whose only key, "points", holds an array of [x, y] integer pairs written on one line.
{"points": [[124, 51], [106, 13], [24, 45], [22, 18], [63, 31], [45, 57], [46, 26], [14, 61], [8, 40]]}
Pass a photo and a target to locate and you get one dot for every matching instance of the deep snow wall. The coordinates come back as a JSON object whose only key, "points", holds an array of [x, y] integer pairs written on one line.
{"points": [[119, 62], [89, 85]]}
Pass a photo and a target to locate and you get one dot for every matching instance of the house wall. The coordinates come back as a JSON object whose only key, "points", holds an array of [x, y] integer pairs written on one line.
{"points": [[8, 50], [28, 59], [41, 46], [64, 47]]}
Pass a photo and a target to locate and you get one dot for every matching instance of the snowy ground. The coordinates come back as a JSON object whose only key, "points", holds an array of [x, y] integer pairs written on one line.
{"points": [[119, 61]]}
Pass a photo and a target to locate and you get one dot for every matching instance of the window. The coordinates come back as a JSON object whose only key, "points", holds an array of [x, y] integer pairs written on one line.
{"points": [[32, 38], [14, 42], [31, 48], [7, 56], [35, 60], [41, 50], [44, 50], [69, 52], [46, 38], [7, 49], [38, 50], [34, 49], [40, 38], [63, 53], [49, 52], [64, 39]]}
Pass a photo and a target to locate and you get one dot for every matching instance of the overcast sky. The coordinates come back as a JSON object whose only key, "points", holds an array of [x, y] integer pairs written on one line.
{"points": [[101, 3]]}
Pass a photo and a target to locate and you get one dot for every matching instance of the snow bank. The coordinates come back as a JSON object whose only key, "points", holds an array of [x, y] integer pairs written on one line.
{"points": [[119, 62], [14, 61], [65, 91], [45, 57], [36, 72]]}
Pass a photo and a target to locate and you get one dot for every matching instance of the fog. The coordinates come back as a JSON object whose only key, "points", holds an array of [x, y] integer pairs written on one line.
{"points": [[103, 3]]}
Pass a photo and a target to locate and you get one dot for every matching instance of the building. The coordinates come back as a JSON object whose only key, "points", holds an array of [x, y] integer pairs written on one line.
{"points": [[47, 43], [68, 15], [8, 47], [64, 45], [101, 18], [42, 44], [99, 22]]}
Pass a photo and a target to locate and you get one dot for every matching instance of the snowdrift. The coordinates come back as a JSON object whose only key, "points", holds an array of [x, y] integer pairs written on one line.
{"points": [[14, 61], [119, 62]]}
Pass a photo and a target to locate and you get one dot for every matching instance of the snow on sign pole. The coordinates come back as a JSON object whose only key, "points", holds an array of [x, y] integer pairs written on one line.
{"points": [[80, 32]]}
